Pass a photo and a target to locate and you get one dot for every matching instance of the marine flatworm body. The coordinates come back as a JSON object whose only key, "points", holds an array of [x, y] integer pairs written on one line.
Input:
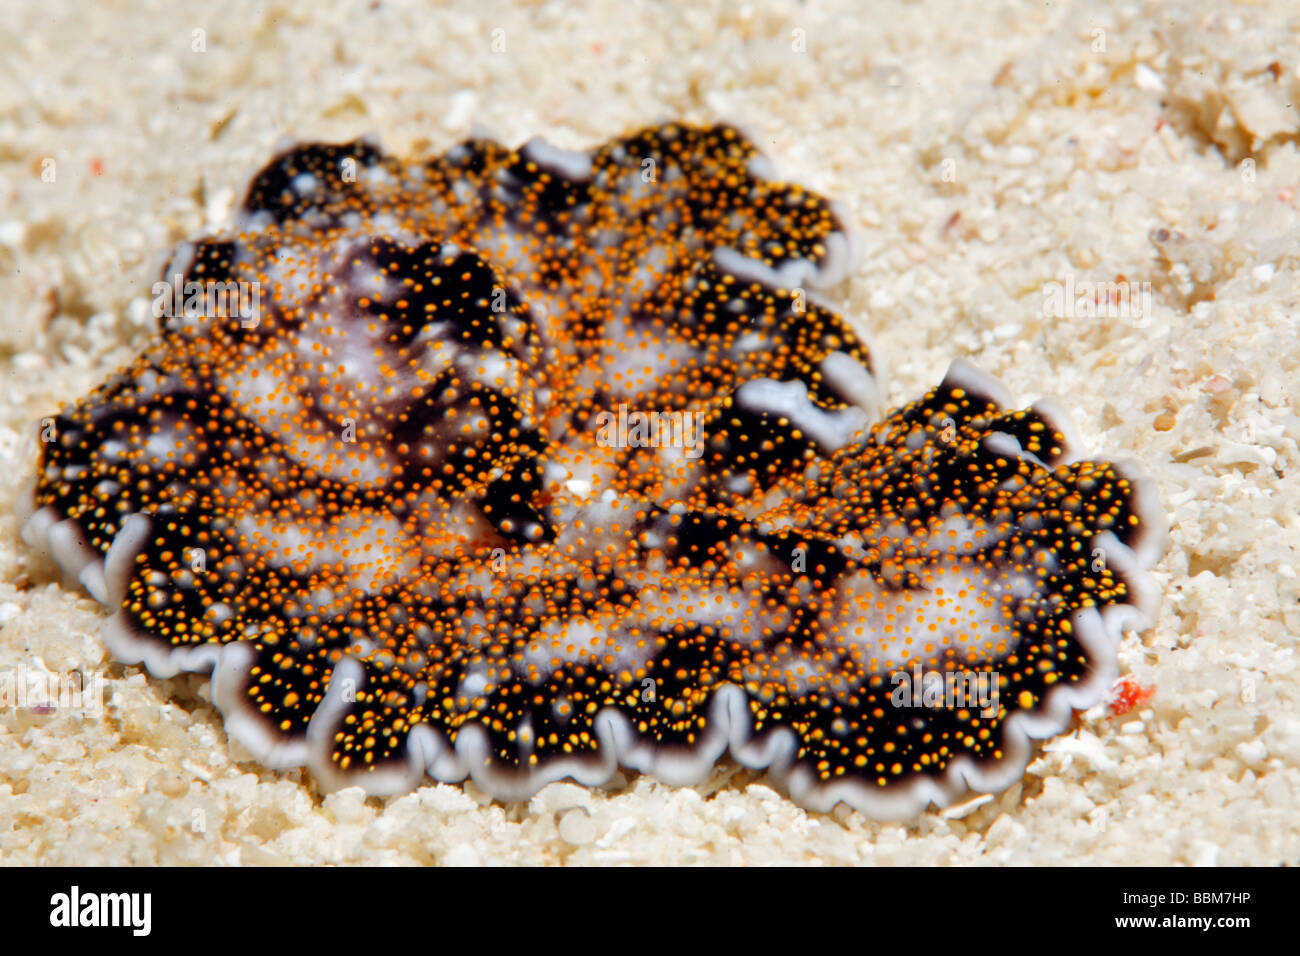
{"points": [[524, 464]]}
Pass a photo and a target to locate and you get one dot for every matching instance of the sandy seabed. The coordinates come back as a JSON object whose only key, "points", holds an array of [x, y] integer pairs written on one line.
{"points": [[980, 154]]}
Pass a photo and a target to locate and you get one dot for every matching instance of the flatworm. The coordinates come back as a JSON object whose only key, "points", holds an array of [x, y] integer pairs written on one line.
{"points": [[524, 464]]}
